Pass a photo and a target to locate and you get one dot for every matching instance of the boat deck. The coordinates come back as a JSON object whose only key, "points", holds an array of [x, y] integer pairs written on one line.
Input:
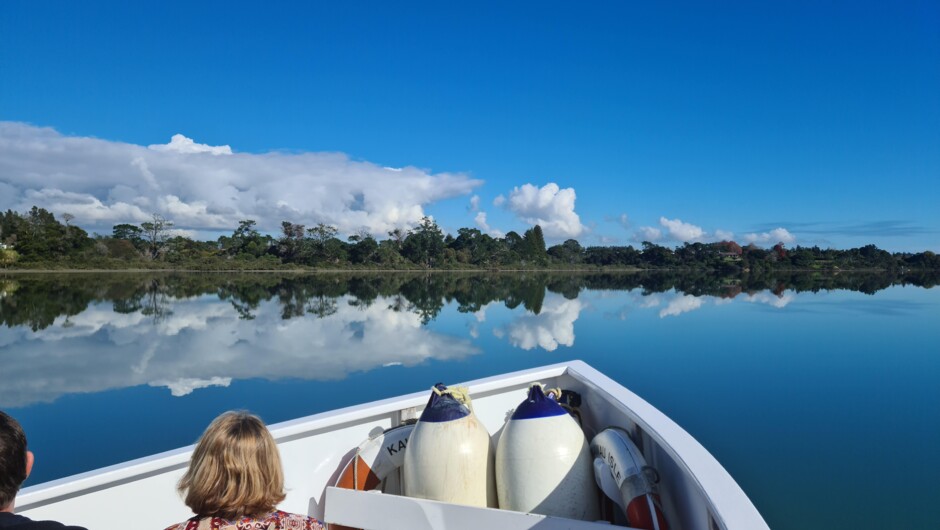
{"points": [[697, 493]]}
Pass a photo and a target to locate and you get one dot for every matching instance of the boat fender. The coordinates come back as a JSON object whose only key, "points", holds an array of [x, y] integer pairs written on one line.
{"points": [[543, 461], [450, 453], [622, 474]]}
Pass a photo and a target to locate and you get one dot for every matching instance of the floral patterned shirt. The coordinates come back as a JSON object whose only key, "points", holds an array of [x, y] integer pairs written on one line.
{"points": [[277, 520]]}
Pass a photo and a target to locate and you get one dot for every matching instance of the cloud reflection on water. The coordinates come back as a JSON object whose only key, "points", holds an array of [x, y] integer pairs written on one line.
{"points": [[63, 334], [203, 343], [552, 327]]}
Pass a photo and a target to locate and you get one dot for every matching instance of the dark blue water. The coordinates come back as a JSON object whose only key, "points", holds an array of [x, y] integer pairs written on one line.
{"points": [[822, 401]]}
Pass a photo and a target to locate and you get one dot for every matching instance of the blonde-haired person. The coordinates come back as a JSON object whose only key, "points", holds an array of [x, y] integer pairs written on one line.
{"points": [[235, 480]]}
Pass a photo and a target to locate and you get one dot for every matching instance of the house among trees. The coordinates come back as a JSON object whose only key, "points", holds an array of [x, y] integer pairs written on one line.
{"points": [[730, 249]]}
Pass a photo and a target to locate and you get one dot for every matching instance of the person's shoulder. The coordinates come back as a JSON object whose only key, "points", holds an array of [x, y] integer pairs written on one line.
{"points": [[19, 522], [296, 520]]}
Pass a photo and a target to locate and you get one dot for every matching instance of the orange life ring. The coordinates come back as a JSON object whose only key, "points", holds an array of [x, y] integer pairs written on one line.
{"points": [[373, 460], [622, 474]]}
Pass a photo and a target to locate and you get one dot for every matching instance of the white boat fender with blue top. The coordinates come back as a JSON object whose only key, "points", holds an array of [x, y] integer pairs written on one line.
{"points": [[450, 455], [622, 474], [543, 461]]}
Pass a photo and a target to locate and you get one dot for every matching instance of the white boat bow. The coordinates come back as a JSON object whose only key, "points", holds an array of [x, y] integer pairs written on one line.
{"points": [[697, 493]]}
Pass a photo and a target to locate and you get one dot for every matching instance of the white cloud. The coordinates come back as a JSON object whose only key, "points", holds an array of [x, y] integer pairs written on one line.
{"points": [[684, 232], [624, 220], [549, 206], [480, 220], [681, 304], [185, 385], [181, 144], [499, 200], [474, 203], [552, 327], [200, 344], [648, 233], [777, 235], [647, 301], [202, 187], [87, 209], [722, 235], [768, 298], [678, 230]]}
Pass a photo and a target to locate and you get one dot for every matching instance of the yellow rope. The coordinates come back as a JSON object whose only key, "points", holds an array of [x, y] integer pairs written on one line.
{"points": [[460, 393]]}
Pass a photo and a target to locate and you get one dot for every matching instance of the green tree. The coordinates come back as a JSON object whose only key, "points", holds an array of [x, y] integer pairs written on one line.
{"points": [[321, 245], [364, 249], [398, 237], [425, 244], [570, 252], [291, 242], [8, 257], [246, 241], [37, 236], [129, 232], [657, 255], [533, 246]]}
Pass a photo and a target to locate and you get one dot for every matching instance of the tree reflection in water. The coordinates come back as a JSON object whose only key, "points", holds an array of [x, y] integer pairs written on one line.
{"points": [[36, 300]]}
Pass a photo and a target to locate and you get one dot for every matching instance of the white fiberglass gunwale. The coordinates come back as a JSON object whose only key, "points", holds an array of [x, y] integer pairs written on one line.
{"points": [[698, 490]]}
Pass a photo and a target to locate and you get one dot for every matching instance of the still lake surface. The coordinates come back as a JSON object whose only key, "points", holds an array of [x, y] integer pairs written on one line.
{"points": [[819, 395]]}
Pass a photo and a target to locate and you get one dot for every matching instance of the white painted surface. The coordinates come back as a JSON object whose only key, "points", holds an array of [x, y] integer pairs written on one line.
{"points": [[450, 461], [697, 493], [393, 513], [544, 465]]}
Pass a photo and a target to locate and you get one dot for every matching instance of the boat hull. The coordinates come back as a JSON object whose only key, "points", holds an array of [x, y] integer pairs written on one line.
{"points": [[697, 493]]}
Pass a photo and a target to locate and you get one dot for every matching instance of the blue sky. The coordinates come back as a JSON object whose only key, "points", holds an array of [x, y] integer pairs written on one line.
{"points": [[815, 123]]}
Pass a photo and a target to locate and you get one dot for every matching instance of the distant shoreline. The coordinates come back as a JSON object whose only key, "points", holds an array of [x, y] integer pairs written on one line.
{"points": [[427, 271]]}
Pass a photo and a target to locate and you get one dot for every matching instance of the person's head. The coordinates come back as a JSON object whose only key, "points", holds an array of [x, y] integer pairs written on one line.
{"points": [[15, 460], [235, 469]]}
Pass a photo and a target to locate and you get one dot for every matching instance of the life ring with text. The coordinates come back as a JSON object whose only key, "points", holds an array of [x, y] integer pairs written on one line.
{"points": [[622, 474], [374, 459]]}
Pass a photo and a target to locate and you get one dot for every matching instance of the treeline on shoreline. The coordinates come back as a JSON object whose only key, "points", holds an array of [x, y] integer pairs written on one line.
{"points": [[37, 240], [37, 300]]}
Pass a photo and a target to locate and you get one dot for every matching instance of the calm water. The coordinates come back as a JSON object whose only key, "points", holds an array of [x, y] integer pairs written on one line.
{"points": [[819, 395]]}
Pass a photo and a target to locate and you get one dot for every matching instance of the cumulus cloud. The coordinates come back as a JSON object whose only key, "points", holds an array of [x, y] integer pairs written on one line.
{"points": [[777, 235], [549, 206], [648, 233], [680, 231], [181, 144], [480, 220], [722, 235], [202, 187], [474, 203]]}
